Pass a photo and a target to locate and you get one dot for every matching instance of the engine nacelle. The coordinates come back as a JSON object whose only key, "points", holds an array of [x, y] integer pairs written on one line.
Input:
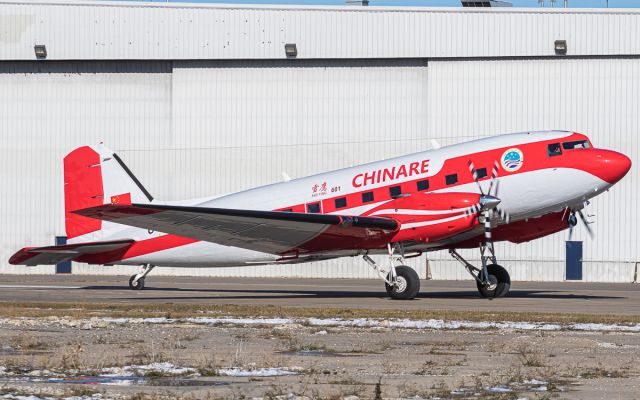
{"points": [[427, 217]]}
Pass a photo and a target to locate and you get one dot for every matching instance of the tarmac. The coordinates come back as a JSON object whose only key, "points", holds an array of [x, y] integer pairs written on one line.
{"points": [[551, 297]]}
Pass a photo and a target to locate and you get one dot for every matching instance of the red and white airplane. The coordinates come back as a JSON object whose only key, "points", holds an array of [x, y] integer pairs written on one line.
{"points": [[514, 187]]}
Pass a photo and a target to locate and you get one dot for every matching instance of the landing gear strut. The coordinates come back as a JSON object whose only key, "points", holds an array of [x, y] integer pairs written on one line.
{"points": [[136, 282], [401, 282], [492, 280]]}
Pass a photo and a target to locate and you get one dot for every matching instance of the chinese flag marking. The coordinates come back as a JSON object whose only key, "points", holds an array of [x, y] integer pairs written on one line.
{"points": [[121, 199]]}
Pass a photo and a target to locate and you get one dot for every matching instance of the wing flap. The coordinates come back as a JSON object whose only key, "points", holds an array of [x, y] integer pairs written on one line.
{"points": [[272, 232]]}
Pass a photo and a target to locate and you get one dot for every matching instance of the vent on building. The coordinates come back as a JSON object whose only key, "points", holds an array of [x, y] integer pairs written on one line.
{"points": [[485, 3]]}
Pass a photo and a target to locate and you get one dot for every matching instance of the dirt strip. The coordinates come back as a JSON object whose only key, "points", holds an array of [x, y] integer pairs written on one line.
{"points": [[130, 358]]}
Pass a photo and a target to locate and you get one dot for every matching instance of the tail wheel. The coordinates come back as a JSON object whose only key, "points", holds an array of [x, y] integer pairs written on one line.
{"points": [[500, 282], [408, 284], [139, 284]]}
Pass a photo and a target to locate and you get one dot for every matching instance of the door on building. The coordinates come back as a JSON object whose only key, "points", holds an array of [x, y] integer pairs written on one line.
{"points": [[573, 261], [65, 266]]}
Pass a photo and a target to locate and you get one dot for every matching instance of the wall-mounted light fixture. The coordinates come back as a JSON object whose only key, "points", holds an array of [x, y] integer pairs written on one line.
{"points": [[291, 50], [560, 47], [41, 51]]}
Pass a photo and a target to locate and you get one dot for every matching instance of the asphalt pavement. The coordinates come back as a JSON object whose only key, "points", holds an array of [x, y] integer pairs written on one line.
{"points": [[552, 297]]}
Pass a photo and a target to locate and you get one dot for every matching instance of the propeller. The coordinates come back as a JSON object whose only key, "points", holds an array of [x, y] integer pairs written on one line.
{"points": [[487, 200], [573, 221]]}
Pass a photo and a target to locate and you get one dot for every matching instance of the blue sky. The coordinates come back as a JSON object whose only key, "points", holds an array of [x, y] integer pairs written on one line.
{"points": [[450, 3]]}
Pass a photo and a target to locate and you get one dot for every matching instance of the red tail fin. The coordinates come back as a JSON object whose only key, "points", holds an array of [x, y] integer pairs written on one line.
{"points": [[82, 189]]}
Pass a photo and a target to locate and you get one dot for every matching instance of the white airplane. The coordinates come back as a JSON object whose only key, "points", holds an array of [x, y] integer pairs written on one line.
{"points": [[514, 187]]}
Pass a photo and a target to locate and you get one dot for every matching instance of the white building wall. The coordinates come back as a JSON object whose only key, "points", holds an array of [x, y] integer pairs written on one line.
{"points": [[74, 30], [595, 96], [46, 110]]}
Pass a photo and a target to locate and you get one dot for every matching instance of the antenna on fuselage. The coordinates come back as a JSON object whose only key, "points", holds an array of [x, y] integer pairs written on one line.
{"points": [[434, 144]]}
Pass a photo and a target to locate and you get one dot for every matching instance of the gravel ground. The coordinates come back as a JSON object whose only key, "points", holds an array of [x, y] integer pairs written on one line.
{"points": [[94, 358]]}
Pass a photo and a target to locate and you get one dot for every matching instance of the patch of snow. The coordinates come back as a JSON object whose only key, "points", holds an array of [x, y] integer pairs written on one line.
{"points": [[534, 382], [240, 321], [321, 333], [134, 370], [498, 389], [436, 324], [606, 327], [256, 372], [540, 389], [3, 370], [121, 382]]}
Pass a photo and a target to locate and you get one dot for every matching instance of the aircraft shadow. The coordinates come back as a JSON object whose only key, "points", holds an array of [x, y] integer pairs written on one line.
{"points": [[258, 294]]}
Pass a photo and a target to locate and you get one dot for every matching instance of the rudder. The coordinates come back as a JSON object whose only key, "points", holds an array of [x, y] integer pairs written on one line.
{"points": [[82, 189], [92, 176]]}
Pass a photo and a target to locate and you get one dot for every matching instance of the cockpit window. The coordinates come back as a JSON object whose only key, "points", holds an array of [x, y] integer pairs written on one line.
{"points": [[578, 144], [554, 149]]}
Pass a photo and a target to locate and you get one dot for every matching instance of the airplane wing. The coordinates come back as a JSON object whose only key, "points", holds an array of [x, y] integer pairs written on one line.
{"points": [[51, 255], [274, 232]]}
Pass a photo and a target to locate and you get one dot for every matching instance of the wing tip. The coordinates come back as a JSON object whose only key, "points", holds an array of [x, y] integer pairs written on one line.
{"points": [[22, 255]]}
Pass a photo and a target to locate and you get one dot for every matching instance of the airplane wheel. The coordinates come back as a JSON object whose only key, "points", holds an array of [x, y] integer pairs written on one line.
{"points": [[139, 285], [500, 282], [408, 284]]}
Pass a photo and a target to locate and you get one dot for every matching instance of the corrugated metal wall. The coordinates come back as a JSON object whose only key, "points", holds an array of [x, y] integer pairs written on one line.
{"points": [[201, 128], [237, 125], [46, 110], [598, 97], [119, 30]]}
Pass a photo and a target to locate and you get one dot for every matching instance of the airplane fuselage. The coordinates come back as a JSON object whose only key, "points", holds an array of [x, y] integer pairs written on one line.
{"points": [[540, 176]]}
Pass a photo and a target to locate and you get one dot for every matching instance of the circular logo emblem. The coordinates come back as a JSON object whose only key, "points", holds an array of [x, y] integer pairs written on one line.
{"points": [[512, 160]]}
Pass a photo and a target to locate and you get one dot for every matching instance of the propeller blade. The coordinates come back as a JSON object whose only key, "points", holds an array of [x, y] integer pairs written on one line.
{"points": [[570, 233], [504, 216], [474, 174], [494, 175], [586, 224], [487, 226]]}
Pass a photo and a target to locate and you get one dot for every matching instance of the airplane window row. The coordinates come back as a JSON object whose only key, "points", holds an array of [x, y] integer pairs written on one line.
{"points": [[394, 192], [368, 197], [554, 149], [578, 144]]}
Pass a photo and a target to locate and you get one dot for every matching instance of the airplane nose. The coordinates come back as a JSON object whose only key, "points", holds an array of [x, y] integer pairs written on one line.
{"points": [[612, 165]]}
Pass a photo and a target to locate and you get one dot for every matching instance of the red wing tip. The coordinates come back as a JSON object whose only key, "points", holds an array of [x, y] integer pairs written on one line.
{"points": [[21, 255]]}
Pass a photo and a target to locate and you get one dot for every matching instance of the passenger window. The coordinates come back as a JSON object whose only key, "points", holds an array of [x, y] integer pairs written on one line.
{"points": [[287, 210], [395, 191], [423, 185], [341, 202], [578, 144], [481, 173], [313, 208], [367, 197], [451, 179], [554, 149]]}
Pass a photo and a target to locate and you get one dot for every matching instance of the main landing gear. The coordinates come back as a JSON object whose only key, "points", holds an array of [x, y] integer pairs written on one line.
{"points": [[492, 280], [136, 282], [401, 282]]}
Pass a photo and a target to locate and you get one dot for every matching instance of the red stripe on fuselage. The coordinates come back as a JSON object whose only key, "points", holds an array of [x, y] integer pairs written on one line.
{"points": [[535, 158], [137, 249]]}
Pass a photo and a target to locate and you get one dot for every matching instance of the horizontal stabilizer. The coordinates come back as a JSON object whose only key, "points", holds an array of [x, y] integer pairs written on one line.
{"points": [[51, 255]]}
